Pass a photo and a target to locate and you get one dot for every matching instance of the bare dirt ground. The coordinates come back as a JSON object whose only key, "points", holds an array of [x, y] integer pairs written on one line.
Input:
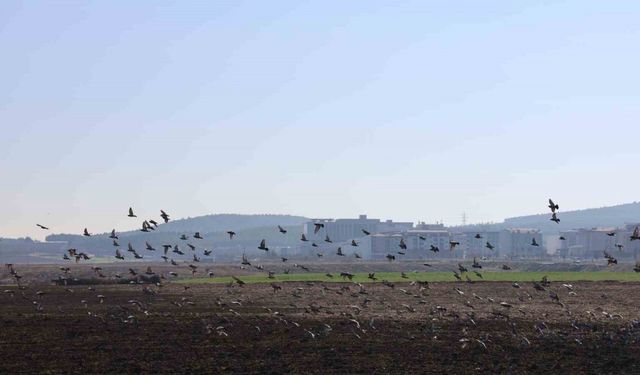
{"points": [[323, 328]]}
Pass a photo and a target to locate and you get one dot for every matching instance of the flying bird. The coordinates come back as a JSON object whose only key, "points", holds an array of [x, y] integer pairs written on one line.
{"points": [[402, 245], [489, 246], [534, 243], [263, 245], [303, 238], [42, 227], [281, 229], [231, 234], [354, 243], [131, 213], [86, 233], [164, 216], [554, 218], [317, 227], [366, 232], [453, 244], [553, 206], [197, 236], [113, 234]]}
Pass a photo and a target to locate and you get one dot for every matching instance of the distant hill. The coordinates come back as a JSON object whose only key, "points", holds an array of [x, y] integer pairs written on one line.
{"points": [[250, 230], [224, 222], [612, 216]]}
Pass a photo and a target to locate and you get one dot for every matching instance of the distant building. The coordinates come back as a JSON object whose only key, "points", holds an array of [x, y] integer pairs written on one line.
{"points": [[418, 244], [592, 243], [341, 230], [518, 244]]}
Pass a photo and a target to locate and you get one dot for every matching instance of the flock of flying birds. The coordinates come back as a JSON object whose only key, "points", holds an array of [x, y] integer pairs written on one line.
{"points": [[151, 225]]}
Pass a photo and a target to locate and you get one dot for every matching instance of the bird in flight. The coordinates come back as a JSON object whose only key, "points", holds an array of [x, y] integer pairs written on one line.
{"points": [[434, 248], [489, 246], [282, 230], [164, 216], [86, 233], [478, 236], [317, 227], [197, 236], [113, 234], [263, 245], [402, 244], [42, 226], [231, 234], [453, 244], [554, 218], [635, 235], [366, 232], [553, 206], [131, 214], [145, 226], [534, 243], [119, 255], [303, 238]]}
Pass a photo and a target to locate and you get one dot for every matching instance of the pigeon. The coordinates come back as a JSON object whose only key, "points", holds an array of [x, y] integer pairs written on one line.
{"points": [[282, 230], [197, 236], [434, 248], [402, 244], [354, 243], [366, 232], [339, 252], [453, 244], [131, 214], [164, 216], [554, 218], [86, 233], [327, 239], [113, 234], [42, 226], [317, 227], [231, 234], [145, 226], [478, 236], [489, 246], [303, 238], [263, 245], [533, 242], [553, 206]]}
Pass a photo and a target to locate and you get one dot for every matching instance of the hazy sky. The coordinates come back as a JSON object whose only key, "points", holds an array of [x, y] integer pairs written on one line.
{"points": [[406, 110]]}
